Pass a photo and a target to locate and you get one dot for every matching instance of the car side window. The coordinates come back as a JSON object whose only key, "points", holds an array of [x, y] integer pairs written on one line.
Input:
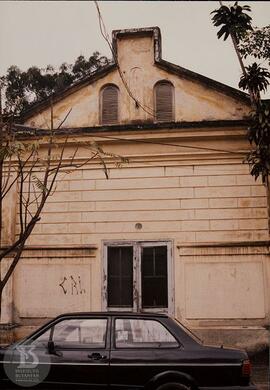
{"points": [[142, 333], [90, 333], [40, 341]]}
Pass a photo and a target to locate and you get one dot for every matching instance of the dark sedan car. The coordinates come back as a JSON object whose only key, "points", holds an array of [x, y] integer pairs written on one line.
{"points": [[122, 351]]}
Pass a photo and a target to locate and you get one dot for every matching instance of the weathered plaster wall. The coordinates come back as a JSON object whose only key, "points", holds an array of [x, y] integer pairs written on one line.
{"points": [[198, 198], [193, 101], [222, 283], [192, 197], [68, 283], [167, 200]]}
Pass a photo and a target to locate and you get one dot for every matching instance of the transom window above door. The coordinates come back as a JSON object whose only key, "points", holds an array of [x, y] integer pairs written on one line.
{"points": [[137, 276]]}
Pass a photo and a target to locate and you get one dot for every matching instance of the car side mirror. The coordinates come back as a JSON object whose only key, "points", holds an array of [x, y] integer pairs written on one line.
{"points": [[51, 347], [52, 350]]}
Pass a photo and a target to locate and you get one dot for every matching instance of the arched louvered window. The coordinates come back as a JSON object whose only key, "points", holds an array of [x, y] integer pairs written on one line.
{"points": [[109, 105], [164, 101]]}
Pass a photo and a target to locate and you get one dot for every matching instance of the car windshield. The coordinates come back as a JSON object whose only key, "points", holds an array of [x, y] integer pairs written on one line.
{"points": [[189, 332]]}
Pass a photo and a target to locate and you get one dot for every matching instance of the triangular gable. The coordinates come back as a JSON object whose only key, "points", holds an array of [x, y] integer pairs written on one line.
{"points": [[197, 98]]}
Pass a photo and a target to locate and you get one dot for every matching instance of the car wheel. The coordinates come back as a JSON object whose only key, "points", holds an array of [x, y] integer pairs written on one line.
{"points": [[173, 386]]}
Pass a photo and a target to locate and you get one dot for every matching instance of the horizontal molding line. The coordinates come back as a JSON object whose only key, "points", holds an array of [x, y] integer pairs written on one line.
{"points": [[61, 247], [25, 130], [53, 252], [160, 160], [249, 248], [226, 244]]}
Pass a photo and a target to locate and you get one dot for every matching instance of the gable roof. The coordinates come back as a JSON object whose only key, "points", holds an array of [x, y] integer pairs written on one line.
{"points": [[163, 64]]}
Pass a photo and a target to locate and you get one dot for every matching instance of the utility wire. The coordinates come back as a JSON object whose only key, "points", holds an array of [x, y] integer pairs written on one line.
{"points": [[170, 144], [105, 35]]}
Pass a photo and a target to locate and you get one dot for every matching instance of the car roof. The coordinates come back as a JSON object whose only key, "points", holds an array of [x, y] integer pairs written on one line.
{"points": [[113, 313]]}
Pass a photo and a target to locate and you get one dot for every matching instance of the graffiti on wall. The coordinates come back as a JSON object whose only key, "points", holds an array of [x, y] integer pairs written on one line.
{"points": [[72, 285]]}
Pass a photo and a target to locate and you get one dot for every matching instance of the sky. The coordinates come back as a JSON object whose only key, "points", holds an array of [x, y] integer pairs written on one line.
{"points": [[52, 32]]}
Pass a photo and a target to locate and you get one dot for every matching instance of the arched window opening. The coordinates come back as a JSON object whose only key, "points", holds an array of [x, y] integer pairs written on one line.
{"points": [[109, 105], [164, 101]]}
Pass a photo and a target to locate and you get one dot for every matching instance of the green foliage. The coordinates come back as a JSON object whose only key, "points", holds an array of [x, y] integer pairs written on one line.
{"points": [[83, 66], [259, 136], [233, 20], [256, 43], [256, 79], [40, 185], [22, 89]]}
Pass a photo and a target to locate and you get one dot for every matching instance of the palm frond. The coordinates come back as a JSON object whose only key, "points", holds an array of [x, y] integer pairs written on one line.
{"points": [[40, 185]]}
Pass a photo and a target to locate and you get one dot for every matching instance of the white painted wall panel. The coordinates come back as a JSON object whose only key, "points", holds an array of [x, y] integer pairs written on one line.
{"points": [[224, 290], [45, 290]]}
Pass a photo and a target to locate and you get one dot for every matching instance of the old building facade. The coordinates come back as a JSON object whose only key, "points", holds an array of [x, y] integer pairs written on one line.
{"points": [[181, 228]]}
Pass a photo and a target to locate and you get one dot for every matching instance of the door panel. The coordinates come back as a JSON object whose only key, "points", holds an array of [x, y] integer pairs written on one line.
{"points": [[141, 349], [79, 367], [79, 355]]}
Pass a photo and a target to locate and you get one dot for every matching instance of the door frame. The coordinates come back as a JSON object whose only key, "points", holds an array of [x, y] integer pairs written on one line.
{"points": [[137, 246]]}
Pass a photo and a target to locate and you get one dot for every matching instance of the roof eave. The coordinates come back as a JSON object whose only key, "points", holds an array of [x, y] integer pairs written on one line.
{"points": [[190, 75], [27, 131], [40, 106]]}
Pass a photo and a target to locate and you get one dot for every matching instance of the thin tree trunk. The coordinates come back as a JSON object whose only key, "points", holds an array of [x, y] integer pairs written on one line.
{"points": [[253, 99], [234, 41], [1, 170], [1, 199], [268, 203], [1, 295]]}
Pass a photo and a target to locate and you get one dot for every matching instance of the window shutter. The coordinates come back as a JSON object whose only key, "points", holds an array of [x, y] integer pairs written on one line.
{"points": [[164, 101], [109, 113]]}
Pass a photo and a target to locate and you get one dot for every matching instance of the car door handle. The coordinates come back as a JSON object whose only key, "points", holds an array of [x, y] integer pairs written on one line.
{"points": [[96, 356]]}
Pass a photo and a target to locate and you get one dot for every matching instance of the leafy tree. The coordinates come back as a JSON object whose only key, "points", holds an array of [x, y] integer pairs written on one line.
{"points": [[259, 135], [232, 21], [31, 166], [82, 66], [255, 79], [22, 89], [235, 22], [256, 43]]}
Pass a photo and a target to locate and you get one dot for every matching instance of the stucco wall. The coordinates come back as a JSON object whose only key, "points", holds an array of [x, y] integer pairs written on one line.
{"points": [[69, 283], [193, 203], [189, 200], [203, 201]]}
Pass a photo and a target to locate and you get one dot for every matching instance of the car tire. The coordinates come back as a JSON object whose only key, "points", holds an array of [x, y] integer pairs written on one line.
{"points": [[173, 386]]}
